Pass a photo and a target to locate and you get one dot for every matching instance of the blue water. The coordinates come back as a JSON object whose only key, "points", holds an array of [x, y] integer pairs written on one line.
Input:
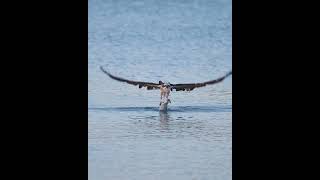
{"points": [[180, 41]]}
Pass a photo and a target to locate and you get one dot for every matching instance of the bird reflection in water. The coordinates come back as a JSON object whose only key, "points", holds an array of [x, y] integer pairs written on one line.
{"points": [[164, 120]]}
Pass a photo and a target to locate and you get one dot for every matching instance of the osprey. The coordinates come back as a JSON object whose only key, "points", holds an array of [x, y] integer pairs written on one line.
{"points": [[166, 87]]}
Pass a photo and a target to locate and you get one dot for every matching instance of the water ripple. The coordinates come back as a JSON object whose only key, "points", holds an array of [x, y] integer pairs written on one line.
{"points": [[170, 109]]}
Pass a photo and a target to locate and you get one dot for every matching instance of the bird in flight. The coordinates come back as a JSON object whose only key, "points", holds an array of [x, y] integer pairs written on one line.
{"points": [[166, 87]]}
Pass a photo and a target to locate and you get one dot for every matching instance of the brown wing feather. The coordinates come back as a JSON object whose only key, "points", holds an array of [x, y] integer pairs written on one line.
{"points": [[191, 86], [141, 84]]}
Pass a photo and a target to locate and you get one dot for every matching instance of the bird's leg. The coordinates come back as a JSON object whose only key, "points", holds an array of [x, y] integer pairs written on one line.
{"points": [[167, 94]]}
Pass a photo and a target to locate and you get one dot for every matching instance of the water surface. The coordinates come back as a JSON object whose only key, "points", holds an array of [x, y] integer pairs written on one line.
{"points": [[180, 41]]}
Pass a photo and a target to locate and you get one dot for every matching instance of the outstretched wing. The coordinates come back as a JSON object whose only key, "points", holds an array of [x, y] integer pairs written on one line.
{"points": [[191, 86], [149, 85]]}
